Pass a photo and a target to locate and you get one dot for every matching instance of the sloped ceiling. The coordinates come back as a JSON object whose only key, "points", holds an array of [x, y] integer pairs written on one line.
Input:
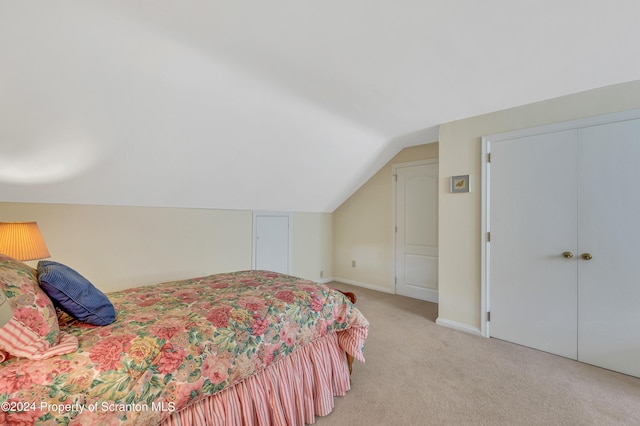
{"points": [[272, 105]]}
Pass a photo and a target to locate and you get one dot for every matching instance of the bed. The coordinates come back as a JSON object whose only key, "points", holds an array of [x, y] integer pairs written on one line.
{"points": [[249, 347]]}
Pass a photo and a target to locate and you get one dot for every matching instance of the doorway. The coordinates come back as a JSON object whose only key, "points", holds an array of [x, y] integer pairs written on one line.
{"points": [[272, 241], [416, 229]]}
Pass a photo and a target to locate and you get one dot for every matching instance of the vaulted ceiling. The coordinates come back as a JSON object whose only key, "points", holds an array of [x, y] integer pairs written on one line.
{"points": [[279, 105]]}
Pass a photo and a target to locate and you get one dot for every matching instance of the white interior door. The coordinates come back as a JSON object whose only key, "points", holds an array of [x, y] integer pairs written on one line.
{"points": [[272, 242], [609, 212], [417, 231], [533, 222]]}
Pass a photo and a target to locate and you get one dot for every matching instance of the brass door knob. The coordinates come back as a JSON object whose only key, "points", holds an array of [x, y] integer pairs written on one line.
{"points": [[587, 256], [567, 254]]}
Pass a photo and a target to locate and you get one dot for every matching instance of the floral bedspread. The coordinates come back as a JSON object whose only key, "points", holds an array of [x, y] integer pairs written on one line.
{"points": [[171, 345]]}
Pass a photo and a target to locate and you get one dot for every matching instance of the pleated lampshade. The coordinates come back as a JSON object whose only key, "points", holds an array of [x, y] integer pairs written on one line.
{"points": [[22, 241]]}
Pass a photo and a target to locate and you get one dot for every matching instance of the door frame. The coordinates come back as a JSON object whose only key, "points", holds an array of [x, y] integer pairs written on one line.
{"points": [[269, 213], [485, 228], [394, 223]]}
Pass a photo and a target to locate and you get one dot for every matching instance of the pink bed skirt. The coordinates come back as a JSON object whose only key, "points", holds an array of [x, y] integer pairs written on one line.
{"points": [[293, 391]]}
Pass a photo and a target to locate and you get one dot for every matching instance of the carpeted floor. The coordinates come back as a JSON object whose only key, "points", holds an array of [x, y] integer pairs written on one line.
{"points": [[419, 373]]}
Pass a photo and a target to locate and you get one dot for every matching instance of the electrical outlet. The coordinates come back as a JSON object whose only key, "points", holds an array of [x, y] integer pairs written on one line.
{"points": [[353, 263], [321, 274]]}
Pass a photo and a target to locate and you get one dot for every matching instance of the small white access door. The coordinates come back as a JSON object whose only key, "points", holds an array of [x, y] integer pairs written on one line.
{"points": [[272, 241], [416, 230]]}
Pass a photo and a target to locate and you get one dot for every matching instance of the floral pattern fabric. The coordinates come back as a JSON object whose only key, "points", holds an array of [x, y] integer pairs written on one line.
{"points": [[172, 345], [32, 309]]}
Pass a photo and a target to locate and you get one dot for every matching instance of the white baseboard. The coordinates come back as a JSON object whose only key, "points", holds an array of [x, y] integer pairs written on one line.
{"points": [[324, 280], [458, 326], [364, 285]]}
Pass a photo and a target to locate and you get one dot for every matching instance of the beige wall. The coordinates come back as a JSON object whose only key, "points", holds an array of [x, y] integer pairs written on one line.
{"points": [[362, 227], [312, 246], [460, 214], [121, 247]]}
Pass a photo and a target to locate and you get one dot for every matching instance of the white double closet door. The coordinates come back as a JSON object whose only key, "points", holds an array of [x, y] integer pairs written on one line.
{"points": [[564, 269]]}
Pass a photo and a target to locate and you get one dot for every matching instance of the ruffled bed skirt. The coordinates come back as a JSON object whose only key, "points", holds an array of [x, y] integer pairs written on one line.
{"points": [[292, 391]]}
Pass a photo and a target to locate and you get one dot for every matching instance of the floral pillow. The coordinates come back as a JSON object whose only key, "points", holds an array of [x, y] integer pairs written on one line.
{"points": [[33, 330]]}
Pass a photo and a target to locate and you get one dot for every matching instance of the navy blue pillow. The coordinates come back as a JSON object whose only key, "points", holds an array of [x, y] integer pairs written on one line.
{"points": [[74, 294]]}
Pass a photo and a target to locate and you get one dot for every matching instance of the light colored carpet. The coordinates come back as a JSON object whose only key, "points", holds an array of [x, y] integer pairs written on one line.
{"points": [[419, 373]]}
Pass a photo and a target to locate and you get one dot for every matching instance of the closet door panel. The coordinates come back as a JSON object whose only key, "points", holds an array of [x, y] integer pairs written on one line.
{"points": [[533, 221], [609, 230]]}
